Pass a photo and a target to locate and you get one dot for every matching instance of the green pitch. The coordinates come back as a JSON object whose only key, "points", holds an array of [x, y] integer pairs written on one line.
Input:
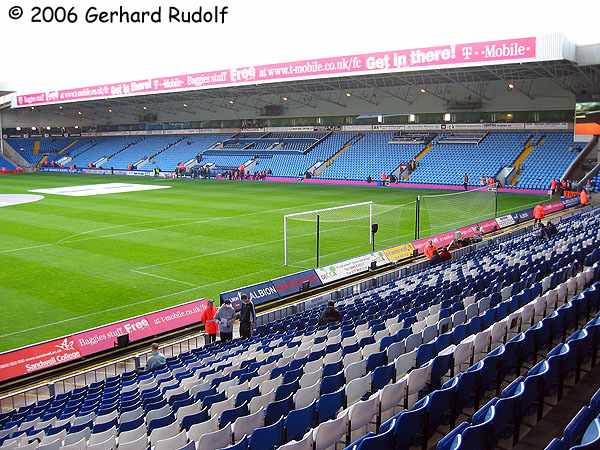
{"points": [[71, 263]]}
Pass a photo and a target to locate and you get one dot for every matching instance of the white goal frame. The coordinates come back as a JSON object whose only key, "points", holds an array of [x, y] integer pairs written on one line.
{"points": [[317, 213]]}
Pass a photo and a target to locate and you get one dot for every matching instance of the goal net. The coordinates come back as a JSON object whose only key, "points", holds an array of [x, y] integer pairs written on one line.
{"points": [[324, 236], [439, 213]]}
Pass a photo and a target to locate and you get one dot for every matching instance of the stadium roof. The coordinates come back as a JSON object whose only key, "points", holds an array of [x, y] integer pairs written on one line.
{"points": [[520, 63]]}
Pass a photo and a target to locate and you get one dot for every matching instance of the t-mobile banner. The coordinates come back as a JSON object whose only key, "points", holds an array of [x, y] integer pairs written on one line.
{"points": [[474, 53], [258, 293], [292, 284], [141, 327]]}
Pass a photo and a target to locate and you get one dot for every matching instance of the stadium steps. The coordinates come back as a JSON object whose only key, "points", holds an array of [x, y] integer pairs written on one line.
{"points": [[65, 150], [318, 142], [109, 157], [518, 163], [329, 161], [39, 164], [13, 156], [419, 156], [167, 147]]}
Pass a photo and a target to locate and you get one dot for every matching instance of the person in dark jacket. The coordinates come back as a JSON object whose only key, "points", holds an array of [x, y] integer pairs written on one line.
{"points": [[247, 317], [330, 315]]}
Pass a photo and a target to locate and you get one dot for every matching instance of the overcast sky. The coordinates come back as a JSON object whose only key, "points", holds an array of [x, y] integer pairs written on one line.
{"points": [[45, 56]]}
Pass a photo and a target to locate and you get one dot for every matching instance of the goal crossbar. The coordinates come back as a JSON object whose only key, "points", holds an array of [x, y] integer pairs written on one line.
{"points": [[317, 212]]}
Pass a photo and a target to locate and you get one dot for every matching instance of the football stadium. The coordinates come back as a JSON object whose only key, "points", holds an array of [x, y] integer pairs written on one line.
{"points": [[388, 250]]}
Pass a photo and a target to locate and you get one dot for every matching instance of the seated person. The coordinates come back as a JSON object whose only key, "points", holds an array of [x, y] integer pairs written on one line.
{"points": [[330, 315], [444, 254], [431, 252], [156, 359], [551, 228], [457, 242]]}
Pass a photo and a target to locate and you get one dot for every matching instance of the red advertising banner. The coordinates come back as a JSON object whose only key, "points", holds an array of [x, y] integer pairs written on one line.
{"points": [[104, 338], [451, 55], [16, 363], [444, 239]]}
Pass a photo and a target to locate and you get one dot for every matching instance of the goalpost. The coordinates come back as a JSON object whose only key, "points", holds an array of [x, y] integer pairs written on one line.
{"points": [[325, 236], [312, 221]]}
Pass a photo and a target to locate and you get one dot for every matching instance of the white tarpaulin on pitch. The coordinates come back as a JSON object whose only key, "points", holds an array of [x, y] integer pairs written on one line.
{"points": [[18, 199], [99, 189]]}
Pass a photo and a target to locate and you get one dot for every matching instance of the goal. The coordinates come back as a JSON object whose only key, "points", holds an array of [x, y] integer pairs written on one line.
{"points": [[324, 236]]}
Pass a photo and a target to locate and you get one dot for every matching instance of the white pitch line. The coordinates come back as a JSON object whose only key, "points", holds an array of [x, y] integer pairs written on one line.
{"points": [[161, 277]]}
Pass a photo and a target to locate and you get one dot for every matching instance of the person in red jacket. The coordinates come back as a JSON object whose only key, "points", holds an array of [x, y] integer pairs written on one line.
{"points": [[210, 324], [553, 186], [538, 214]]}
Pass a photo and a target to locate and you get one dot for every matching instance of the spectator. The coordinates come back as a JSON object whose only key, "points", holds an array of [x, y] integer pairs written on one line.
{"points": [[444, 254], [491, 182], [584, 198], [553, 186], [224, 317], [330, 315], [247, 317], [457, 242], [210, 324], [538, 214], [551, 229], [466, 181], [156, 359], [477, 235], [431, 252]]}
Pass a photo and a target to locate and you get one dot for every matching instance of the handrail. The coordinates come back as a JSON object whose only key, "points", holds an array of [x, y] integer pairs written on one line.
{"points": [[582, 154]]}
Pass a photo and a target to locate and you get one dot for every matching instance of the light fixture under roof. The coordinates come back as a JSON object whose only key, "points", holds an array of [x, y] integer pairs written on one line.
{"points": [[423, 91], [231, 102], [285, 99]]}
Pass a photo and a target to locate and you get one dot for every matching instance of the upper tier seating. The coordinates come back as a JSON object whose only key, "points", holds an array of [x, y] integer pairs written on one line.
{"points": [[93, 150], [447, 163], [294, 165], [185, 150], [549, 160], [25, 146], [393, 350], [143, 149], [370, 156]]}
